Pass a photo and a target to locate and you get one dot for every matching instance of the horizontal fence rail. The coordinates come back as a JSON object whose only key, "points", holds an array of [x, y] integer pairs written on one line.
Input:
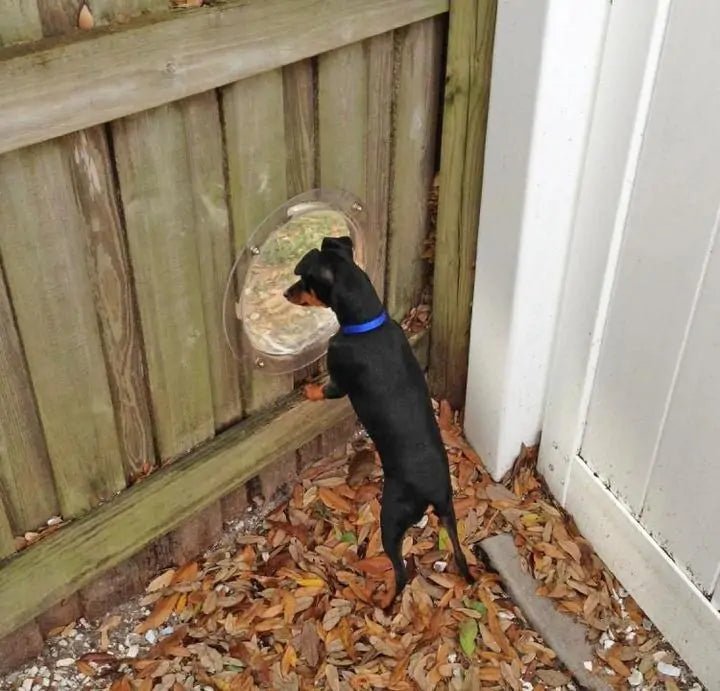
{"points": [[63, 87]]}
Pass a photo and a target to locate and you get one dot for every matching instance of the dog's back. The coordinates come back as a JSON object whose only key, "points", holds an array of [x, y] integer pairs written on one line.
{"points": [[387, 389]]}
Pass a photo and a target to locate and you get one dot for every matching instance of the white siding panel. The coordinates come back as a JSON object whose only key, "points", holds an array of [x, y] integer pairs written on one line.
{"points": [[682, 510], [634, 38], [671, 216]]}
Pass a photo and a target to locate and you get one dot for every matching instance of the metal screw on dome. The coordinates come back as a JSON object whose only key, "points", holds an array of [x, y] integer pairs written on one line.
{"points": [[255, 250], [259, 363], [357, 206]]}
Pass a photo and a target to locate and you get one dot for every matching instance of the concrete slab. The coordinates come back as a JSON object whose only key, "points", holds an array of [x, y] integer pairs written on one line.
{"points": [[563, 634]]}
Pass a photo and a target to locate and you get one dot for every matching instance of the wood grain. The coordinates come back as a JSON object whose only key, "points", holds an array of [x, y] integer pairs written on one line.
{"points": [[156, 188], [380, 70], [44, 92], [112, 11], [416, 115], [300, 141], [109, 270], [20, 22], [342, 116], [467, 91], [257, 168], [41, 238], [203, 133], [7, 542], [58, 17], [26, 482]]}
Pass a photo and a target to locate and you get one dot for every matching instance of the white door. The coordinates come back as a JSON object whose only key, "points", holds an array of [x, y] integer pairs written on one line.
{"points": [[631, 440]]}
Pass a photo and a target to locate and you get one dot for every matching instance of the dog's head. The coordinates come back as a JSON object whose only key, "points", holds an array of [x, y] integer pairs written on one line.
{"points": [[318, 271]]}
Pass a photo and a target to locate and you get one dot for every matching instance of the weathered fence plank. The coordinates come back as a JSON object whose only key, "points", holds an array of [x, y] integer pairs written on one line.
{"points": [[214, 245], [257, 166], [58, 17], [342, 116], [414, 161], [7, 542], [111, 277], [20, 22], [380, 68], [108, 11], [26, 482], [355, 107], [299, 97], [41, 238], [154, 172], [467, 90], [139, 67]]}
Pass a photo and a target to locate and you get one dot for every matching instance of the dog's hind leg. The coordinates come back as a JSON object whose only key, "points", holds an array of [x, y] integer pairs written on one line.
{"points": [[399, 511], [446, 514]]}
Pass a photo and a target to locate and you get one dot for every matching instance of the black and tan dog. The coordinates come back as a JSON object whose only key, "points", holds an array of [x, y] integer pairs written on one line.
{"points": [[370, 361]]}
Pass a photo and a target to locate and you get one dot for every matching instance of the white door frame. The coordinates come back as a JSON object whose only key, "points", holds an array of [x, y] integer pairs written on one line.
{"points": [[545, 65]]}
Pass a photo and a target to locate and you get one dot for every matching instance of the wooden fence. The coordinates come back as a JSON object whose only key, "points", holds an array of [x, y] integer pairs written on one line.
{"points": [[134, 160]]}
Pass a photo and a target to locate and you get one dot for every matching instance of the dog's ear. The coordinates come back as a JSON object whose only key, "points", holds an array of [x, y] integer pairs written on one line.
{"points": [[306, 265], [342, 246], [312, 267]]}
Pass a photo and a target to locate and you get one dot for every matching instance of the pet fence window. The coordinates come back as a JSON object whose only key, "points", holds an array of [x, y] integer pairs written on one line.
{"points": [[260, 325]]}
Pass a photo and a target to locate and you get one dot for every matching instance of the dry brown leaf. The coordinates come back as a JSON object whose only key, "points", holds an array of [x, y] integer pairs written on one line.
{"points": [[309, 644], [572, 549], [186, 573], [618, 666], [289, 660], [334, 501], [553, 677], [331, 674], [161, 581], [375, 566], [122, 684], [163, 609]]}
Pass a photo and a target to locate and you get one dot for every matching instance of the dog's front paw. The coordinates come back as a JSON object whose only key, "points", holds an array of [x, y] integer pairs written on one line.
{"points": [[314, 392]]}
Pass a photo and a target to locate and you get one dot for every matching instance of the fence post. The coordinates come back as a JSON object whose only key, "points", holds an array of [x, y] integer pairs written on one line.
{"points": [[467, 91]]}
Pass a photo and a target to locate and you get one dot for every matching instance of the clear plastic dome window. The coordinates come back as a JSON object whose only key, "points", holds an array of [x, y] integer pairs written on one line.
{"points": [[260, 324]]}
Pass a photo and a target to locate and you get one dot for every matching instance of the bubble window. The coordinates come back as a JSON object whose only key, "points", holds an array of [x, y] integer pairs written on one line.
{"points": [[260, 324]]}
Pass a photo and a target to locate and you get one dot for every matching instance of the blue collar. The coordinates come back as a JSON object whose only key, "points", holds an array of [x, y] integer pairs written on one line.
{"points": [[373, 324]]}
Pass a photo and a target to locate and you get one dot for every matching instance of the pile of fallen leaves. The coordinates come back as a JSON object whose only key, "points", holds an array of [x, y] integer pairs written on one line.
{"points": [[628, 647], [295, 606]]}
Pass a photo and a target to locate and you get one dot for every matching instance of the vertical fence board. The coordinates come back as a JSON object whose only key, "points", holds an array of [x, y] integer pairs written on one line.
{"points": [[153, 167], [26, 482], [19, 21], [257, 166], [214, 245], [107, 11], [467, 90], [58, 17], [94, 187], [299, 96], [380, 60], [7, 543], [413, 161], [114, 299], [342, 94], [41, 240]]}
